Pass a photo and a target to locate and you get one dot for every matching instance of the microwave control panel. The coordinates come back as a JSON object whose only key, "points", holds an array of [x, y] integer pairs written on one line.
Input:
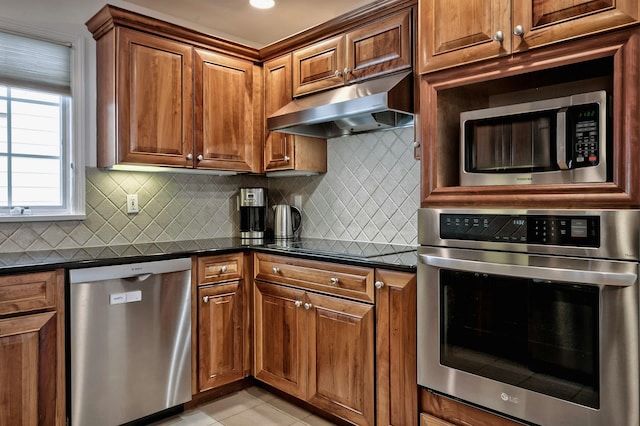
{"points": [[575, 231], [584, 135]]}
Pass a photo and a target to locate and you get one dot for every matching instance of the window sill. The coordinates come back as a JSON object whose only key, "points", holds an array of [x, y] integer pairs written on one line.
{"points": [[40, 218]]}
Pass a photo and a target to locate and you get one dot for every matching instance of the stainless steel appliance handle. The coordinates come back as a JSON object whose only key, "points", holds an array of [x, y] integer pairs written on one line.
{"points": [[573, 276]]}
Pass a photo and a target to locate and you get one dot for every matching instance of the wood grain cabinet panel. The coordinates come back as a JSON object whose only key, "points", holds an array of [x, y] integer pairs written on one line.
{"points": [[32, 372], [455, 32], [224, 113], [283, 151], [220, 318], [280, 338], [154, 100], [319, 66], [220, 334], [379, 48], [341, 357]]}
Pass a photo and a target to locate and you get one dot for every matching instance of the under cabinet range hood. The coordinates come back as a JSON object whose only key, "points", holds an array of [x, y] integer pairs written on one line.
{"points": [[377, 104]]}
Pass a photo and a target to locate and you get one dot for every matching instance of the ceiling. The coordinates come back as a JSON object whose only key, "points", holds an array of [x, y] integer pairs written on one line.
{"points": [[237, 21]]}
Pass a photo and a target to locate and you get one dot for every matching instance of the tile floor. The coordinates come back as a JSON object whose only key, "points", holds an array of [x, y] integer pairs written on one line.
{"points": [[249, 407]]}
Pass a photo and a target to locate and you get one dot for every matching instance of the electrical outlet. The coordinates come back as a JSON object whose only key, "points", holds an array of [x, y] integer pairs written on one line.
{"points": [[132, 203], [297, 201]]}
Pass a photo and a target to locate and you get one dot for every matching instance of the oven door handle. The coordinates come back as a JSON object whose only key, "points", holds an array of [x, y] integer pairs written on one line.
{"points": [[618, 279]]}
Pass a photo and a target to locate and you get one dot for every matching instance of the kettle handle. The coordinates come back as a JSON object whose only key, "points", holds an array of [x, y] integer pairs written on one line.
{"points": [[296, 211]]}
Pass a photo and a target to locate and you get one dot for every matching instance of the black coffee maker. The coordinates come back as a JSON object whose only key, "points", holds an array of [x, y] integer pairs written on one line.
{"points": [[253, 211]]}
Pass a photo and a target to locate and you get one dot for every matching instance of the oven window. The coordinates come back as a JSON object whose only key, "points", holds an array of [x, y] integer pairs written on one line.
{"points": [[537, 335]]}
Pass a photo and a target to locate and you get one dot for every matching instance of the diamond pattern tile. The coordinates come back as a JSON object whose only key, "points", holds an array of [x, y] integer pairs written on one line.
{"points": [[370, 193]]}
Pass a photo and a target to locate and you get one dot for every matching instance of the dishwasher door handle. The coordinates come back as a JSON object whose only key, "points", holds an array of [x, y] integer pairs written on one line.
{"points": [[141, 277]]}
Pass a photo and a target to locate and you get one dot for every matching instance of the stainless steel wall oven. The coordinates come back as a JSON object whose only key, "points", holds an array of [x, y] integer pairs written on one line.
{"points": [[532, 313]]}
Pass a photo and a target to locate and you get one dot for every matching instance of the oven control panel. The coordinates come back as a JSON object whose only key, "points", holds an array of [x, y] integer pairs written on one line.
{"points": [[576, 231]]}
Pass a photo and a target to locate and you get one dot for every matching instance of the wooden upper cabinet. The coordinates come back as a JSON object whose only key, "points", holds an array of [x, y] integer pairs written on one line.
{"points": [[382, 47], [454, 32], [375, 49], [319, 66], [154, 99], [283, 151], [224, 113], [549, 21]]}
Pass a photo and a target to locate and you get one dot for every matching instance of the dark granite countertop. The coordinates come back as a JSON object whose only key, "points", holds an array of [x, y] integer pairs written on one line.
{"points": [[366, 254]]}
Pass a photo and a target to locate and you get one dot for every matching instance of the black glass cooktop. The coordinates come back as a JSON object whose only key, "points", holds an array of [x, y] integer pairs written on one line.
{"points": [[340, 248]]}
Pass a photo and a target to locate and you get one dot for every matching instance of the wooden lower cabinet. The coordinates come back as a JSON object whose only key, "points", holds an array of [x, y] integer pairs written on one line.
{"points": [[32, 376], [317, 348], [221, 331], [220, 335]]}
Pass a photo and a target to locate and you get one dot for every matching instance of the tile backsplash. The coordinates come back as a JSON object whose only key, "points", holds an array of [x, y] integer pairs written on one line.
{"points": [[369, 193]]}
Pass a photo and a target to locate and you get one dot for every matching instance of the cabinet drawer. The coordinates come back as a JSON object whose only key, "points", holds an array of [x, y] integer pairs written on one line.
{"points": [[342, 280], [212, 269], [28, 292]]}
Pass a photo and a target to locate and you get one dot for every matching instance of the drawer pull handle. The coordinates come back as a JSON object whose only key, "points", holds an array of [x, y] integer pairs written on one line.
{"points": [[308, 306], [335, 280], [223, 269], [379, 284], [205, 299], [276, 270], [298, 303]]}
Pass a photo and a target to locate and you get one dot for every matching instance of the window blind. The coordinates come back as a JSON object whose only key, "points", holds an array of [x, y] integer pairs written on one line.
{"points": [[35, 64]]}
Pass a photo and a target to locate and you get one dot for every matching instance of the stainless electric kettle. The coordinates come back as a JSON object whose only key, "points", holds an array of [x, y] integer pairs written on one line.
{"points": [[283, 221]]}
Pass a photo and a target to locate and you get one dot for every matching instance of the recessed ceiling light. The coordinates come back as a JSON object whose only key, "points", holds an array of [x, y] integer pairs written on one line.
{"points": [[262, 4]]}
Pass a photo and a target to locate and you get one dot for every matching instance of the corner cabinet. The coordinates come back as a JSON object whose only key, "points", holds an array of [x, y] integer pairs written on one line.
{"points": [[338, 337], [147, 71], [372, 50], [454, 33], [32, 357], [222, 330], [284, 152]]}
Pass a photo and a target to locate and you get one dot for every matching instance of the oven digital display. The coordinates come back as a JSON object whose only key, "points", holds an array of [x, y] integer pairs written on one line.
{"points": [[574, 231]]}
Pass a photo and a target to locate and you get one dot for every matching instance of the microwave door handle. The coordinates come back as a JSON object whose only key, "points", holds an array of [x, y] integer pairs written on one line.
{"points": [[617, 279], [561, 140]]}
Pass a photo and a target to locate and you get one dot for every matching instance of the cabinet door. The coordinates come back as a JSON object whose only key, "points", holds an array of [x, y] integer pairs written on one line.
{"points": [[453, 32], [280, 333], [341, 357], [224, 113], [381, 47], [220, 335], [154, 100], [28, 363], [550, 21], [396, 353], [319, 66], [278, 148]]}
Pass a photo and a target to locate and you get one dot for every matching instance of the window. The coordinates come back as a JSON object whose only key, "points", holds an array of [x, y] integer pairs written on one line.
{"points": [[41, 170]]}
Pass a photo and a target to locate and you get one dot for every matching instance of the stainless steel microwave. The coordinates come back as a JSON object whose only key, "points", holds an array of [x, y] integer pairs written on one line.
{"points": [[553, 141]]}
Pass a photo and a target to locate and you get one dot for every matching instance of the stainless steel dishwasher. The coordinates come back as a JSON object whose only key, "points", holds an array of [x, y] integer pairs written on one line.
{"points": [[130, 340]]}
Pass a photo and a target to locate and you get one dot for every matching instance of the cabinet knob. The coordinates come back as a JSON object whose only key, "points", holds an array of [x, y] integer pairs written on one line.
{"points": [[347, 70], [189, 156], [200, 157], [416, 144], [337, 73], [518, 30], [335, 280], [287, 158], [205, 299], [308, 306], [498, 36], [276, 270], [223, 269], [379, 284], [298, 303]]}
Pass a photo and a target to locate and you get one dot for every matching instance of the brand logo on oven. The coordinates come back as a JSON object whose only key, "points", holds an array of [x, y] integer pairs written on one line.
{"points": [[508, 398]]}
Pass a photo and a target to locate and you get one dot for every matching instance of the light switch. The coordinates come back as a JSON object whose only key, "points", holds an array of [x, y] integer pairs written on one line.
{"points": [[132, 203]]}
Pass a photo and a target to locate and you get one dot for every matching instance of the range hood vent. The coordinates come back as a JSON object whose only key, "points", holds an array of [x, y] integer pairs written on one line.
{"points": [[377, 104]]}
